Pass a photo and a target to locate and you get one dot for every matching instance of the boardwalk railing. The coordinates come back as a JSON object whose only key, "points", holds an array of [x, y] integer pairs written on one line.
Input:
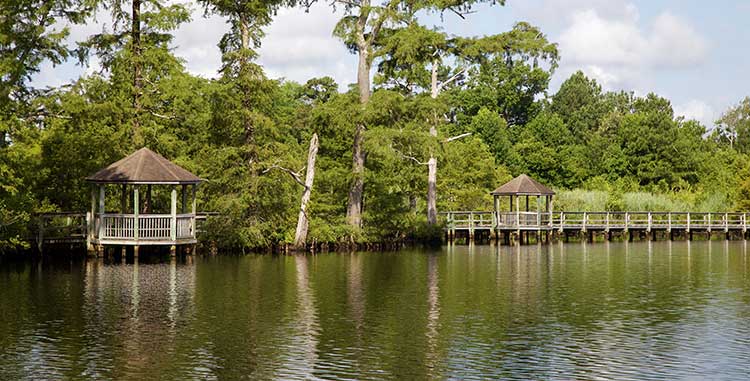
{"points": [[604, 221], [60, 228]]}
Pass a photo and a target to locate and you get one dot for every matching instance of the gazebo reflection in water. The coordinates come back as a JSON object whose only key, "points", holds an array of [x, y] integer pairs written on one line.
{"points": [[142, 222]]}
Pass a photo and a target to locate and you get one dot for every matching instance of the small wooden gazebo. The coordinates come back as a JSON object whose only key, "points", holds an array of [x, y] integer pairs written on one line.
{"points": [[137, 223], [520, 187]]}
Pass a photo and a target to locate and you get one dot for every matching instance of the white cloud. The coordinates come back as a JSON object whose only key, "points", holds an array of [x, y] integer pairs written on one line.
{"points": [[555, 14], [197, 43], [698, 110], [623, 52], [674, 43], [299, 46], [669, 42]]}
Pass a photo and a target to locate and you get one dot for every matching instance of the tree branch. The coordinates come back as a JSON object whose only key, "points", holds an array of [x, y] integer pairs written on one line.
{"points": [[459, 13], [295, 175], [407, 157], [167, 117], [352, 4], [451, 79], [452, 138]]}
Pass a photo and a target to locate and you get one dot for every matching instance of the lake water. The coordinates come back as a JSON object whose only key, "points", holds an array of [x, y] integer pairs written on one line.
{"points": [[620, 311]]}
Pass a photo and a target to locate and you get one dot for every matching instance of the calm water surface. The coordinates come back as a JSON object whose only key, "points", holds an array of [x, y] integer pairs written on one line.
{"points": [[575, 311]]}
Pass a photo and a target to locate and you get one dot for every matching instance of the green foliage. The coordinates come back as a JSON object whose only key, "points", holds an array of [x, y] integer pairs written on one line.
{"points": [[248, 135]]}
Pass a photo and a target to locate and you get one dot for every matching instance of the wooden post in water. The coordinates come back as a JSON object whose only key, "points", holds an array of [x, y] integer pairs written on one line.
{"points": [[583, 222], [91, 224], [471, 227], [40, 235], [606, 226], [669, 226]]}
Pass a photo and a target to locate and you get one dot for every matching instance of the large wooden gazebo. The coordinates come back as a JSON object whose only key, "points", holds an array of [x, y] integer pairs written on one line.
{"points": [[516, 217], [138, 222]]}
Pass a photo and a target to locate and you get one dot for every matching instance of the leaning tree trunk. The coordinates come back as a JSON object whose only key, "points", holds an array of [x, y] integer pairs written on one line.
{"points": [[137, 75], [300, 236], [356, 191]]}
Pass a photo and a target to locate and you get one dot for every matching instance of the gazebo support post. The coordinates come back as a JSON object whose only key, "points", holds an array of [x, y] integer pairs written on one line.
{"points": [[538, 211], [183, 206], [136, 219], [123, 198], [194, 205], [496, 227], [102, 198], [123, 210], [518, 219], [173, 225], [147, 207], [90, 223], [192, 222]]}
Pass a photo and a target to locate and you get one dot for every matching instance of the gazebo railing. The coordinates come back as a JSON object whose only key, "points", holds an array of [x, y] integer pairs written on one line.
{"points": [[149, 227], [523, 219]]}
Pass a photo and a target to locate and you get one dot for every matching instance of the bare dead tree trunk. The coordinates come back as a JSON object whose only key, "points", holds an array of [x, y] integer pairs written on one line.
{"points": [[432, 162], [137, 72], [300, 236]]}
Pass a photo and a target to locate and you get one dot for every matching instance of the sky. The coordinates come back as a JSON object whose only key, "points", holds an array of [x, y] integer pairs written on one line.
{"points": [[693, 53]]}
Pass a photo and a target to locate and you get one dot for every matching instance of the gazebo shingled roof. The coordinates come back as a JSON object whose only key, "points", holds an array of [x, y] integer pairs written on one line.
{"points": [[144, 167], [523, 185]]}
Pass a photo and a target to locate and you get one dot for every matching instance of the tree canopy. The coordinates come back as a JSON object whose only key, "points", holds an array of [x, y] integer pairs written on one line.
{"points": [[247, 133]]}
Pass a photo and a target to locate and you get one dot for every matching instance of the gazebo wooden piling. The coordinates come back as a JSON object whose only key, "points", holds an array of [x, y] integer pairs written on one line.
{"points": [[136, 224]]}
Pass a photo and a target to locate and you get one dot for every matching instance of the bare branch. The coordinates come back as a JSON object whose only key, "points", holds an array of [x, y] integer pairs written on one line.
{"points": [[451, 79], [167, 117], [459, 13], [295, 175], [452, 138], [347, 2], [407, 157]]}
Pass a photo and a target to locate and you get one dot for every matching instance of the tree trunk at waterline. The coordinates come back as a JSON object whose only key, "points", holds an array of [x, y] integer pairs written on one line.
{"points": [[300, 236], [432, 191], [356, 191]]}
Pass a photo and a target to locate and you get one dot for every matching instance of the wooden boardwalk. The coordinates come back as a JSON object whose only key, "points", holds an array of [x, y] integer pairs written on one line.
{"points": [[544, 226]]}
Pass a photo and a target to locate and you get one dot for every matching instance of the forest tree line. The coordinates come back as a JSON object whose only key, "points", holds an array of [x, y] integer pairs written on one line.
{"points": [[444, 120]]}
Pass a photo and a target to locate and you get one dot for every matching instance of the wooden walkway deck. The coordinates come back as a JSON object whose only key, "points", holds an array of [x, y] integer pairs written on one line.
{"points": [[543, 225]]}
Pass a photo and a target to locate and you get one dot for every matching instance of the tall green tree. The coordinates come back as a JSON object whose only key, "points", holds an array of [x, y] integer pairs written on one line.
{"points": [[360, 29], [31, 32], [238, 46], [147, 25]]}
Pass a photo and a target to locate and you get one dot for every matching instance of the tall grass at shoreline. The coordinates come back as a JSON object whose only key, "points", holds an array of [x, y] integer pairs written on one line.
{"points": [[599, 200]]}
